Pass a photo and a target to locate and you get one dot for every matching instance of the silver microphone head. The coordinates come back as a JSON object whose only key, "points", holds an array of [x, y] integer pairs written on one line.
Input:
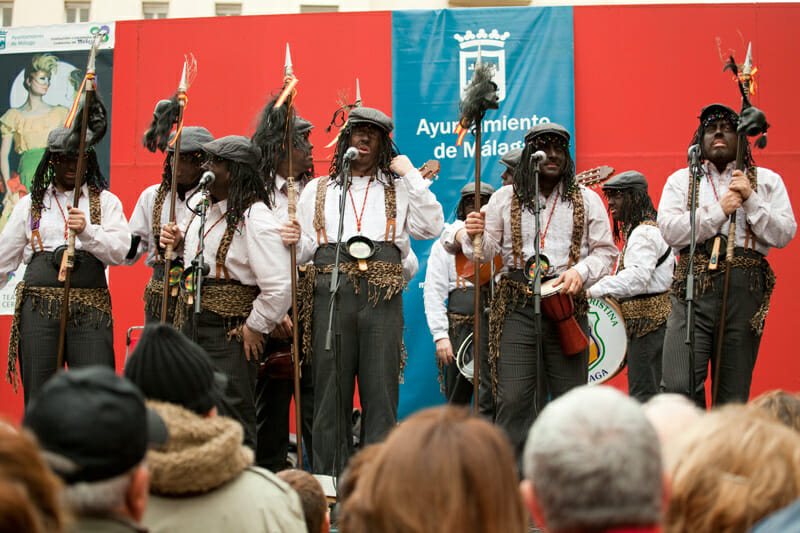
{"points": [[539, 156], [351, 153], [694, 151], [207, 178]]}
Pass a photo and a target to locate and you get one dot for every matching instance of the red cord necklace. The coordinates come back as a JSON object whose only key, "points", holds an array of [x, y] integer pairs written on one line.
{"points": [[549, 218], [64, 216], [363, 205]]}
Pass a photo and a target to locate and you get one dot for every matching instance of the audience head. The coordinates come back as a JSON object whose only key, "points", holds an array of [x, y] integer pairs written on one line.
{"points": [[671, 414], [592, 462], [94, 430], [168, 367], [29, 493], [432, 474], [780, 405], [315, 505], [735, 468]]}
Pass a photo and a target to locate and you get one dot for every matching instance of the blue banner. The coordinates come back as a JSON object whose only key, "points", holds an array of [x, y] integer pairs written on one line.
{"points": [[433, 55]]}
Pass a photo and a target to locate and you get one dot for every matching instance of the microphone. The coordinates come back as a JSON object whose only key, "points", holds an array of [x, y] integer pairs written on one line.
{"points": [[350, 154], [693, 158], [207, 179], [539, 156]]}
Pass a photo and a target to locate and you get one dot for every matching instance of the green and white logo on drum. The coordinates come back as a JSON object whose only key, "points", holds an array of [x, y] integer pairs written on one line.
{"points": [[607, 340]]}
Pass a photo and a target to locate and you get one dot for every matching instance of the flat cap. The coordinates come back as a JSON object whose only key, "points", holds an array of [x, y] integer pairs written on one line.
{"points": [[57, 139], [546, 127], [372, 116], [717, 111], [301, 125], [192, 139], [511, 158], [469, 189], [630, 179], [235, 148]]}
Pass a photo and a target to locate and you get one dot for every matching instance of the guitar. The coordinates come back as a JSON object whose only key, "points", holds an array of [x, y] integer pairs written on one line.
{"points": [[594, 176], [430, 170]]}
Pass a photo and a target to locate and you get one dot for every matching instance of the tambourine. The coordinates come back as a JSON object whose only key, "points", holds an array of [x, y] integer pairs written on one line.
{"points": [[544, 267], [465, 358], [360, 248]]}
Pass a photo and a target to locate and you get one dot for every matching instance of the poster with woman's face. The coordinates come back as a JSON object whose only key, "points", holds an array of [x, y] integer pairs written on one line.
{"points": [[56, 87]]}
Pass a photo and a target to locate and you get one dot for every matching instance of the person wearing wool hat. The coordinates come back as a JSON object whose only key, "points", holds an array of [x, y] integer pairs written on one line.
{"points": [[246, 290], [642, 280], [37, 234], [388, 203], [154, 205], [577, 250], [449, 298], [203, 479], [764, 220]]}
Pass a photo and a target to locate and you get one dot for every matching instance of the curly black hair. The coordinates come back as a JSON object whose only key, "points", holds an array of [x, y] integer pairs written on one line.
{"points": [[386, 152]]}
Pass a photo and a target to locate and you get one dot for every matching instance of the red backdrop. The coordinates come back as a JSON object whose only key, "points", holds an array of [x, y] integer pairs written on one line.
{"points": [[642, 73]]}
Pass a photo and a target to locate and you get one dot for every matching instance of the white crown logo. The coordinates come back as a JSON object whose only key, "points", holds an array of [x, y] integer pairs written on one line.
{"points": [[472, 40]]}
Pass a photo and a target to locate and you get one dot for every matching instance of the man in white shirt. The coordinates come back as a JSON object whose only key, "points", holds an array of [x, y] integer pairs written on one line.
{"points": [[642, 280], [154, 205], [388, 202], [575, 238], [764, 220]]}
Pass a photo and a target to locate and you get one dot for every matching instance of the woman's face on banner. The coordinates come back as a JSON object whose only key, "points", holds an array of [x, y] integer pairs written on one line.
{"points": [[39, 82]]}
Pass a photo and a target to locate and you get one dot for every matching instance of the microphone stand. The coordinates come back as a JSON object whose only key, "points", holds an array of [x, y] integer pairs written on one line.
{"points": [[199, 268], [334, 309], [536, 286], [696, 172]]}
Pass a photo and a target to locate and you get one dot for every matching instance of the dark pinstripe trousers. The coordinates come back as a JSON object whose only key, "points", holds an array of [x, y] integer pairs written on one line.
{"points": [[740, 344]]}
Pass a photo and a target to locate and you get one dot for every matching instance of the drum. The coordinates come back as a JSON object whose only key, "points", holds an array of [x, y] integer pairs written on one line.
{"points": [[465, 358], [607, 338], [560, 308]]}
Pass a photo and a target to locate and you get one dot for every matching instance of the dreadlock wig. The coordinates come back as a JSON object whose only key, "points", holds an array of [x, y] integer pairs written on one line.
{"points": [[270, 140], [165, 115], [479, 96], [536, 138], [636, 208], [246, 188], [386, 150], [711, 114], [45, 174]]}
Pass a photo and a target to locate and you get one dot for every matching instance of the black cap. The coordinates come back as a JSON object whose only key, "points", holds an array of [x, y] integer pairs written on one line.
{"points": [[192, 139], [301, 125], [717, 111], [630, 179], [169, 367], [511, 158], [372, 116], [96, 420], [469, 189], [235, 148], [544, 128]]}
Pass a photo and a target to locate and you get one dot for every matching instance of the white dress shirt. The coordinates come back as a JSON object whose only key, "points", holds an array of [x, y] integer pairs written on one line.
{"points": [[441, 279], [419, 214], [598, 252], [257, 257], [141, 222], [108, 241], [640, 276], [768, 211]]}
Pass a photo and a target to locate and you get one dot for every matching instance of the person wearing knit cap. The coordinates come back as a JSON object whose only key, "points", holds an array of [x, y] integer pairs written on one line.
{"points": [[764, 220], [246, 291], [273, 393], [576, 250], [154, 205], [37, 234], [388, 202], [203, 479], [641, 283], [449, 298]]}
